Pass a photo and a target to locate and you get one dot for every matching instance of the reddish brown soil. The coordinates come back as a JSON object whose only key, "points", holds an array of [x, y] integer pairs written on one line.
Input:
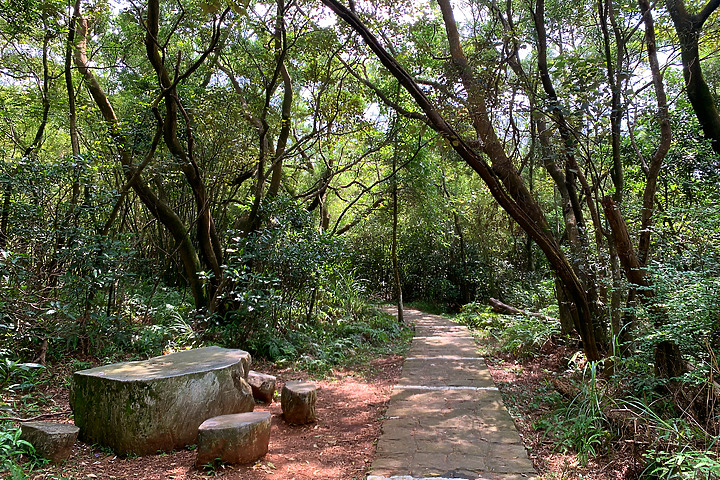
{"points": [[340, 445]]}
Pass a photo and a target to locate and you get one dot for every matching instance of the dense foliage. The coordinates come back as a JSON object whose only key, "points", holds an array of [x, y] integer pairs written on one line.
{"points": [[175, 174]]}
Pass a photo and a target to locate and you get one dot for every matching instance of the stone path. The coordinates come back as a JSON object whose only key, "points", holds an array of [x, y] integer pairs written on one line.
{"points": [[446, 418]]}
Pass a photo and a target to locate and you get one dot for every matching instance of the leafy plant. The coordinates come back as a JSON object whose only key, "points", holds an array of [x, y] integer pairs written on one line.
{"points": [[15, 375], [582, 426], [11, 448], [684, 464], [478, 316], [523, 335], [319, 346], [286, 271]]}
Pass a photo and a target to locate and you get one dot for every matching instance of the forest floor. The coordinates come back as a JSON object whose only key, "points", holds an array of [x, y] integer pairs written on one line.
{"points": [[528, 391], [341, 444]]}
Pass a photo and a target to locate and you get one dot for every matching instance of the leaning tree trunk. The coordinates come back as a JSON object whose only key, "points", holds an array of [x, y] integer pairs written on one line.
{"points": [[504, 182], [157, 208], [207, 235], [668, 357], [567, 180]]}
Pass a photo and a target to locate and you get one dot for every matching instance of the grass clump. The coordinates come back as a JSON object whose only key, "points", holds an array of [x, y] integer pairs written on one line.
{"points": [[582, 426]]}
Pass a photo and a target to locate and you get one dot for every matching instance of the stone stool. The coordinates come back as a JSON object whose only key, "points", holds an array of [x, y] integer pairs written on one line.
{"points": [[263, 386], [53, 441], [235, 438], [298, 402]]}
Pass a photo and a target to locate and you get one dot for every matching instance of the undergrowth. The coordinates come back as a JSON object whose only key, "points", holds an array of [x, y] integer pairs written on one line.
{"points": [[321, 345], [581, 425], [12, 447], [519, 335], [16, 380], [593, 409]]}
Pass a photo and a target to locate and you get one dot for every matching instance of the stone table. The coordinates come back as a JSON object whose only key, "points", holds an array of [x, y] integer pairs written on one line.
{"points": [[158, 404]]}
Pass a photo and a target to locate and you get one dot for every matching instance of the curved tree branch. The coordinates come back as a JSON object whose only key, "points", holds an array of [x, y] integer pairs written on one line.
{"points": [[503, 183]]}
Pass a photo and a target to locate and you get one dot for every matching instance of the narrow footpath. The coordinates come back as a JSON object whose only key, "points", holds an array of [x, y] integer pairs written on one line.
{"points": [[446, 418]]}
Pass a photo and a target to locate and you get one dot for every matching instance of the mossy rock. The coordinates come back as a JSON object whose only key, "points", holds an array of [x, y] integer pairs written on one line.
{"points": [[143, 407]]}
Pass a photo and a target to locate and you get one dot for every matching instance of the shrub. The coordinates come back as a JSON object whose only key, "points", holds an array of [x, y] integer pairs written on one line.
{"points": [[16, 375], [523, 336], [479, 317]]}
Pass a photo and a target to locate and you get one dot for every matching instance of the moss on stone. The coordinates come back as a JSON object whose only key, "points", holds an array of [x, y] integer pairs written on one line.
{"points": [[142, 407]]}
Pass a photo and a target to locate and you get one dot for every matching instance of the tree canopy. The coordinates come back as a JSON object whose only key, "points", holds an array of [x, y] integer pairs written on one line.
{"points": [[262, 166]]}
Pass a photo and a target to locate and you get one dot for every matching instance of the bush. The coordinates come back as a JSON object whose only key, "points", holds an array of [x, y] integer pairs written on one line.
{"points": [[292, 289], [278, 274], [479, 317], [523, 336], [16, 375]]}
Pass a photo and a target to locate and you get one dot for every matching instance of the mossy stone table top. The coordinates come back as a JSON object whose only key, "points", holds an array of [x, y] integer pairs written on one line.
{"points": [[176, 364]]}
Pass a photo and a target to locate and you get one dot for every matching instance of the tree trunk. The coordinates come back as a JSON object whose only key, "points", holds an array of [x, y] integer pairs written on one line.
{"points": [[613, 69], [668, 360], [31, 149], [688, 28], [573, 213], [277, 166], [653, 171], [396, 268], [5, 214], [505, 309], [159, 209], [565, 312], [464, 286], [666, 352], [207, 235]]}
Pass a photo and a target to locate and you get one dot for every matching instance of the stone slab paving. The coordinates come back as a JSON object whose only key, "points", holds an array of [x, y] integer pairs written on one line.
{"points": [[446, 418]]}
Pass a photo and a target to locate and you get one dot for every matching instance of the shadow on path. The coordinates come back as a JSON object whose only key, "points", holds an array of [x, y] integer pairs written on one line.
{"points": [[446, 418]]}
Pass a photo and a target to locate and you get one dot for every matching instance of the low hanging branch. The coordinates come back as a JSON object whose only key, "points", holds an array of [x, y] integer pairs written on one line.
{"points": [[505, 309]]}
